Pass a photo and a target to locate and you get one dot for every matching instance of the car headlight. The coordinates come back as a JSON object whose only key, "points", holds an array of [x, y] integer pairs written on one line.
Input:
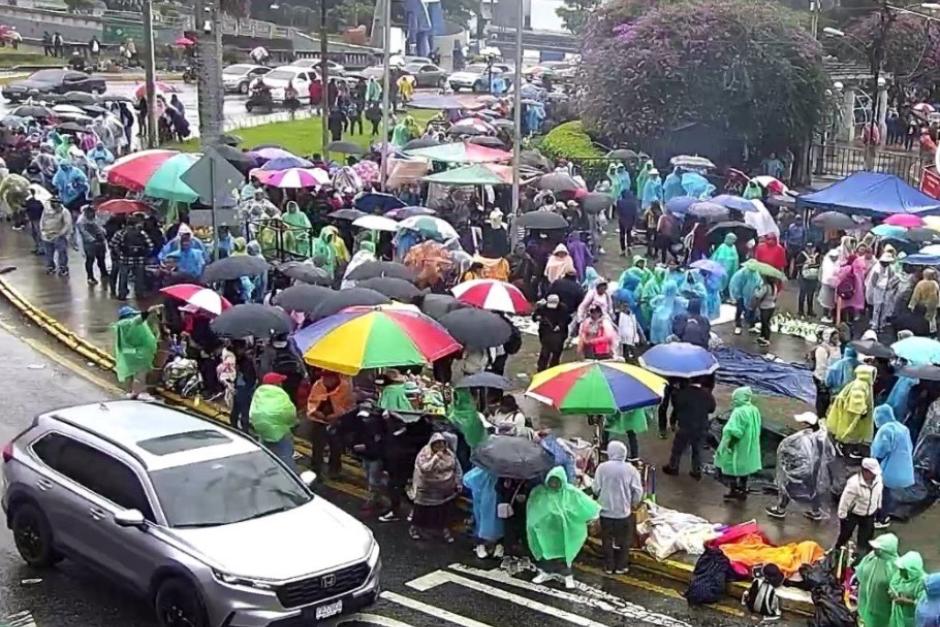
{"points": [[374, 554], [246, 582]]}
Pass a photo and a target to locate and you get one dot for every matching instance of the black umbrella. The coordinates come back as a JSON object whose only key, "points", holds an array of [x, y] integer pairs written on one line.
{"points": [[534, 159], [467, 130], [924, 373], [260, 146], [835, 220], [78, 97], [503, 123], [33, 111], [488, 141], [485, 380], [596, 202], [623, 154], [373, 269], [305, 273], [542, 220], [422, 142], [512, 457], [238, 158], [115, 98], [437, 306], [716, 234], [352, 297], [232, 268], [782, 200], [346, 214], [71, 127], [477, 328], [260, 321], [558, 182], [397, 289], [920, 235], [94, 110], [230, 140], [347, 148], [872, 349], [302, 297]]}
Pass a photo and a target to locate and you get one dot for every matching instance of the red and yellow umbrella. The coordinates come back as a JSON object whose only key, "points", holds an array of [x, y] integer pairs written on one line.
{"points": [[596, 387], [374, 337]]}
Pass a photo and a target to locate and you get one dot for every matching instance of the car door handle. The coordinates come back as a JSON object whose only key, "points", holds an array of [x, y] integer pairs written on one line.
{"points": [[44, 484], [97, 514]]}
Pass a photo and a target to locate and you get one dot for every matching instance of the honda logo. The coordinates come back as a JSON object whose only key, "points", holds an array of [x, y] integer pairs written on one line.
{"points": [[327, 581]]}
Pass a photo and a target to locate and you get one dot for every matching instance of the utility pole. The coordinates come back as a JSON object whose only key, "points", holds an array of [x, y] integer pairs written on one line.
{"points": [[386, 85], [517, 120], [209, 70], [814, 17], [324, 82], [150, 72]]}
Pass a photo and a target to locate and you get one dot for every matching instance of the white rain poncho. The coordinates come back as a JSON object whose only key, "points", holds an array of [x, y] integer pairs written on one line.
{"points": [[803, 461]]}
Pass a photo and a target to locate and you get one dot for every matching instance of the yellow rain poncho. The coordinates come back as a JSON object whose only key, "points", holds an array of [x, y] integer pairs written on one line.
{"points": [[557, 518], [738, 454], [850, 419], [874, 574]]}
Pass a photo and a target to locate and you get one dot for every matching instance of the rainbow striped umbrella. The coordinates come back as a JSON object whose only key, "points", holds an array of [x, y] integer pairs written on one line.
{"points": [[374, 337], [596, 387]]}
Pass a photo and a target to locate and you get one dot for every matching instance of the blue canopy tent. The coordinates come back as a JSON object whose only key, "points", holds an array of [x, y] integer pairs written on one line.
{"points": [[871, 194]]}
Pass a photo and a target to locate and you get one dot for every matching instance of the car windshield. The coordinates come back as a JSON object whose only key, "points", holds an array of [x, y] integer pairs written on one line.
{"points": [[227, 490], [47, 75], [281, 75], [237, 69]]}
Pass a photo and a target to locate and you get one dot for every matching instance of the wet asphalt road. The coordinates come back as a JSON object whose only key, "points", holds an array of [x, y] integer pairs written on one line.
{"points": [[439, 592]]}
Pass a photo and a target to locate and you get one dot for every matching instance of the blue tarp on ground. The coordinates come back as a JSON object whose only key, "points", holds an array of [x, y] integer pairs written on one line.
{"points": [[871, 194], [779, 378]]}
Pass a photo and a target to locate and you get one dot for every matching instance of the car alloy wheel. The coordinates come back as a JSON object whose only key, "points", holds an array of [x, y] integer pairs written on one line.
{"points": [[178, 605], [243, 88], [28, 537]]}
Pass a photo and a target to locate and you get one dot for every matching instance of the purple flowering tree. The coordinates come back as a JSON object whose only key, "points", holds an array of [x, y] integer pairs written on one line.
{"points": [[742, 65]]}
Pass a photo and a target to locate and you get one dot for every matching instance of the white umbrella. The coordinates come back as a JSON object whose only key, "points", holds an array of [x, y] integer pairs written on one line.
{"points": [[68, 109], [376, 223]]}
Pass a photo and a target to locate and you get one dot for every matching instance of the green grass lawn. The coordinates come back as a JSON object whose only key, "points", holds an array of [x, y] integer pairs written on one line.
{"points": [[301, 137], [27, 55]]}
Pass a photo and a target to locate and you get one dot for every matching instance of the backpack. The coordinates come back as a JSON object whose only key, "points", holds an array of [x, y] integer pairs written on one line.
{"points": [[846, 289]]}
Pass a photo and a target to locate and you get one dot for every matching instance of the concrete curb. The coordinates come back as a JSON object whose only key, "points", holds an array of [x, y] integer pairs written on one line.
{"points": [[673, 570]]}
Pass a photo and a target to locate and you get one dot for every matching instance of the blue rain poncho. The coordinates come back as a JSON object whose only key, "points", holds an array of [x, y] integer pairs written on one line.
{"points": [[665, 308], [615, 184], [647, 293], [743, 284], [693, 286], [900, 395], [727, 256], [624, 177], [70, 183], [713, 284], [893, 449], [487, 526], [642, 176], [626, 293], [697, 186], [842, 372], [927, 613], [652, 192], [672, 186]]}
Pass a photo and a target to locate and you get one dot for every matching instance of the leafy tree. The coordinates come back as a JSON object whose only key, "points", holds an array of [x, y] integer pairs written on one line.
{"points": [[575, 14], [746, 66], [911, 46], [462, 11], [79, 6]]}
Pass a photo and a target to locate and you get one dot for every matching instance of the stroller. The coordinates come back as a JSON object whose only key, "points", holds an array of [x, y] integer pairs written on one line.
{"points": [[182, 376]]}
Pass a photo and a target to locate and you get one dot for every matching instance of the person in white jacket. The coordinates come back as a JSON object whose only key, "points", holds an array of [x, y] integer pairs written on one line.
{"points": [[861, 498], [630, 332]]}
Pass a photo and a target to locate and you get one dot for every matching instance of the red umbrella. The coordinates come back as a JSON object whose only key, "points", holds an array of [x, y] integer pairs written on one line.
{"points": [[134, 170], [123, 206], [185, 42], [493, 295], [199, 297], [162, 87]]}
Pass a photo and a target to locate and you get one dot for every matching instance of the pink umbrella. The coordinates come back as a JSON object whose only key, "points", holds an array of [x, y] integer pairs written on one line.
{"points": [[198, 297], [184, 42], [293, 178], [162, 87], [493, 295], [905, 219], [923, 107]]}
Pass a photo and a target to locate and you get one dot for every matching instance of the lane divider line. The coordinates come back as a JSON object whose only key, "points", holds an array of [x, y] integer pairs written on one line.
{"points": [[430, 610]]}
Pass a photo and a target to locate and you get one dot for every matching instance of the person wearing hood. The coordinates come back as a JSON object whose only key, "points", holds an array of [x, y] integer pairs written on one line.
{"points": [[619, 491], [273, 416], [598, 295], [858, 504], [559, 264], [557, 518], [738, 454], [770, 251], [841, 373], [554, 320], [647, 293], [495, 236], [365, 254], [55, 229], [850, 417], [488, 526], [297, 235], [905, 587], [880, 285], [850, 286], [894, 451], [803, 460], [135, 347], [664, 309], [100, 155], [744, 284], [642, 176], [727, 255], [597, 337], [580, 254], [437, 483], [874, 574], [672, 186], [94, 244], [927, 612], [190, 258], [627, 208], [927, 293], [766, 299], [616, 187], [825, 355], [71, 185], [652, 191]]}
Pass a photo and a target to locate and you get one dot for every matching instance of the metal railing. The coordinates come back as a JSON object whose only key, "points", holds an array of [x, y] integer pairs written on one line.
{"points": [[841, 161]]}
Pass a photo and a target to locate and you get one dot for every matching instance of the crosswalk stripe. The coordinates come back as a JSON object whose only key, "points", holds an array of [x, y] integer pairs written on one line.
{"points": [[439, 577], [20, 619], [430, 610], [595, 598], [371, 619]]}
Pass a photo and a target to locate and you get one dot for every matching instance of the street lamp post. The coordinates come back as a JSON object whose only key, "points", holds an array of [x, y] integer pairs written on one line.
{"points": [[386, 86], [153, 138], [324, 82], [517, 120]]}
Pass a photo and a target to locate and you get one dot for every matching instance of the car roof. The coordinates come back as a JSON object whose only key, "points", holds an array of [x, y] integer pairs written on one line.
{"points": [[128, 424]]}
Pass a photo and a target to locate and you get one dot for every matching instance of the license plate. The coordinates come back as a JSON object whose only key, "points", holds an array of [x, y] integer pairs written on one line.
{"points": [[327, 611]]}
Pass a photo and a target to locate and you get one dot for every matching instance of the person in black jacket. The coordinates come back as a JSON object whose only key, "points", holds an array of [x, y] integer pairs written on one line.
{"points": [[569, 291], [402, 443], [693, 404], [627, 209], [368, 444], [554, 319]]}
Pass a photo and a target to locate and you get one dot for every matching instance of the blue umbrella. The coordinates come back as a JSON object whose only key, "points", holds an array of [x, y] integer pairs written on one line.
{"points": [[375, 200], [286, 163], [708, 210], [918, 350], [680, 204], [710, 266], [889, 230], [679, 359], [922, 260], [737, 203]]}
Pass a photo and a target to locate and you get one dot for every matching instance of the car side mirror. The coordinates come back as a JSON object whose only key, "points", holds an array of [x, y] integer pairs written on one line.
{"points": [[308, 477], [129, 518]]}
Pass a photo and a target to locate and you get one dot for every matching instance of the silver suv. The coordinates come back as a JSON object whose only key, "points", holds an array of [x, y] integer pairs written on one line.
{"points": [[200, 520]]}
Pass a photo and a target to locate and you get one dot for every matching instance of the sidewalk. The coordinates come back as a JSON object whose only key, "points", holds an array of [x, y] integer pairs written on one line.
{"points": [[88, 311]]}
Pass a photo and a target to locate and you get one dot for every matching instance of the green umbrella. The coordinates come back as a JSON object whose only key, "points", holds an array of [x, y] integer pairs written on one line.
{"points": [[469, 175], [765, 270], [166, 183]]}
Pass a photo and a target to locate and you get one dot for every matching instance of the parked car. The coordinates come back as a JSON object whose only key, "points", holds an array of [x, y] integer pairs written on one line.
{"points": [[426, 74], [301, 78], [237, 78], [475, 77], [198, 519], [373, 71], [334, 68], [53, 81]]}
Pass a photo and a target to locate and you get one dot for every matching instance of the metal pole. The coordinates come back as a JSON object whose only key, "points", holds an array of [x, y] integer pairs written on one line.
{"points": [[153, 139], [386, 85], [814, 17], [324, 82], [517, 120]]}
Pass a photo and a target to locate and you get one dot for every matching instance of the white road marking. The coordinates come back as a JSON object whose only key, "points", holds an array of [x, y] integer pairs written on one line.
{"points": [[592, 597], [20, 619], [371, 619], [431, 610], [440, 577]]}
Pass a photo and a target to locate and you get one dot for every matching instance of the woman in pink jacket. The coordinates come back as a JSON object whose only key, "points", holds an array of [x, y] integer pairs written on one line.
{"points": [[850, 286]]}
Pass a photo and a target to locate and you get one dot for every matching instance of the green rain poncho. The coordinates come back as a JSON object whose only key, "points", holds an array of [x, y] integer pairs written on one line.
{"points": [[634, 420], [464, 415], [557, 518], [324, 255], [753, 191], [648, 291], [738, 454], [906, 584], [727, 256], [850, 418], [272, 414], [404, 132], [394, 398], [615, 185], [297, 237], [642, 176], [135, 346], [874, 573]]}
